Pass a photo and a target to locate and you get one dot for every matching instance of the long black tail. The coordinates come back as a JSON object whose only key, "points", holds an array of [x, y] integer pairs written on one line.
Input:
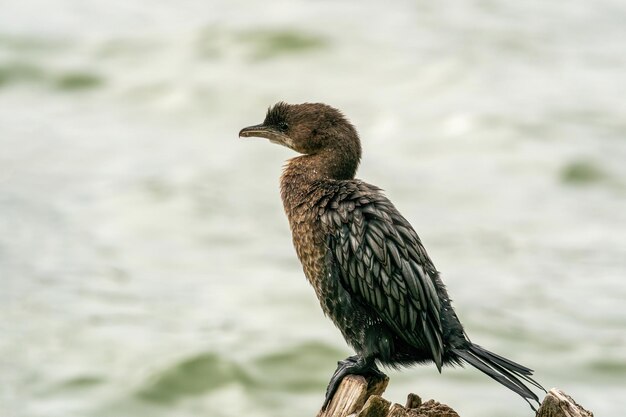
{"points": [[503, 370]]}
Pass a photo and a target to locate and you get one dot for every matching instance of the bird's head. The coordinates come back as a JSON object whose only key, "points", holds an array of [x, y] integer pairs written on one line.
{"points": [[311, 129]]}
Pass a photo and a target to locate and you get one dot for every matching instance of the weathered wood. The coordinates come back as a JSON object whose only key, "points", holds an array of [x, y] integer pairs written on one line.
{"points": [[375, 406], [358, 396], [559, 404], [413, 401], [432, 408], [396, 410], [352, 394]]}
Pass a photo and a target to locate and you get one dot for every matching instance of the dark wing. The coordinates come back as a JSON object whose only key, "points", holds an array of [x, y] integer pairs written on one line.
{"points": [[382, 262]]}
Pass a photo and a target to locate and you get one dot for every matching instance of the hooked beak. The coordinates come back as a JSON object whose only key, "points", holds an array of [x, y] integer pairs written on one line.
{"points": [[262, 131]]}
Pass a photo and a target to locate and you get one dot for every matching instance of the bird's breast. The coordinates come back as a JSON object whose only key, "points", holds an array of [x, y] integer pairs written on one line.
{"points": [[308, 240], [304, 200]]}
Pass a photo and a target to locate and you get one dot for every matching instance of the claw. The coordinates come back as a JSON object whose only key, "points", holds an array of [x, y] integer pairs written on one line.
{"points": [[353, 365]]}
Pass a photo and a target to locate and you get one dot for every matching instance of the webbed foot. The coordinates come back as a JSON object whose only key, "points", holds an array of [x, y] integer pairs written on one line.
{"points": [[353, 365]]}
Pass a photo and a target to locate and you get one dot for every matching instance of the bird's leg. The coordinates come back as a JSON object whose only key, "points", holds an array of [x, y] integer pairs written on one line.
{"points": [[352, 365]]}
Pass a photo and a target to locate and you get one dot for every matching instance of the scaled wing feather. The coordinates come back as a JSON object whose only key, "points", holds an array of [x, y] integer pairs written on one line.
{"points": [[381, 261]]}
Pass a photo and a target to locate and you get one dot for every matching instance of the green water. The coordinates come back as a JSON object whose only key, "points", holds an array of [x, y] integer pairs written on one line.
{"points": [[146, 267]]}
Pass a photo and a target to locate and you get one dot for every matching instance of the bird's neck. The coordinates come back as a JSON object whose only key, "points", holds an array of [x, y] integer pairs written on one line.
{"points": [[312, 174], [329, 164]]}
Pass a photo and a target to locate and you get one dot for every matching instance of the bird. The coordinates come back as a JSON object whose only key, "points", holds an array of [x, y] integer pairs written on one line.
{"points": [[367, 265]]}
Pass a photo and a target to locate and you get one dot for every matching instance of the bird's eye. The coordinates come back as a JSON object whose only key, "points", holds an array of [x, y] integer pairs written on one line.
{"points": [[282, 126]]}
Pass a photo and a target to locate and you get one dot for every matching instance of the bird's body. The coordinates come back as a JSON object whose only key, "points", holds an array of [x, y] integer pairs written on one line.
{"points": [[367, 265], [354, 247]]}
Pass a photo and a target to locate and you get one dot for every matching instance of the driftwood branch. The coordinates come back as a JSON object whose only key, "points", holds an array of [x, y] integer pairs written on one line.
{"points": [[559, 404], [359, 396]]}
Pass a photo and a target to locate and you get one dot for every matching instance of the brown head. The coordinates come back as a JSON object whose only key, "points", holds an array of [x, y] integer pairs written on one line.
{"points": [[313, 129]]}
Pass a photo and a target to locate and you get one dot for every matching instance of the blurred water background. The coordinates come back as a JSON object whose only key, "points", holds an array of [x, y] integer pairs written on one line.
{"points": [[146, 266]]}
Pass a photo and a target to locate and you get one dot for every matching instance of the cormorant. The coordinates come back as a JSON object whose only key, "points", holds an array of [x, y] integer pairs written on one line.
{"points": [[368, 267]]}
